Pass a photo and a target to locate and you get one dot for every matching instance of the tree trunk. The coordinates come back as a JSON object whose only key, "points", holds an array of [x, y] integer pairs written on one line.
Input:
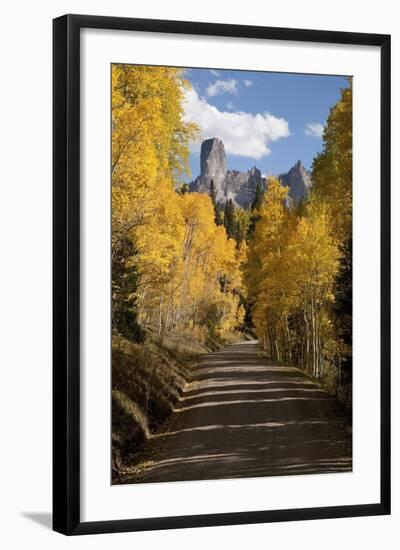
{"points": [[160, 317], [277, 348], [313, 338], [289, 345], [307, 337]]}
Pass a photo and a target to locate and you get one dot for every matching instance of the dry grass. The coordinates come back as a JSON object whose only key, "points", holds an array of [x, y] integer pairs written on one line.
{"points": [[147, 380]]}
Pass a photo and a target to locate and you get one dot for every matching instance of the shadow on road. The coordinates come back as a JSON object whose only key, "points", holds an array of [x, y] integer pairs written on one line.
{"points": [[243, 416]]}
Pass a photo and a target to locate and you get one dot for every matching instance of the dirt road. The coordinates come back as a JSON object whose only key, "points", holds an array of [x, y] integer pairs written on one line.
{"points": [[244, 416]]}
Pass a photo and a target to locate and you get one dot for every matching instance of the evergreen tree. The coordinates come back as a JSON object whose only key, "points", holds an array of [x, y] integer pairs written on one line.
{"points": [[255, 207], [258, 198], [124, 286], [212, 193], [239, 234], [229, 219]]}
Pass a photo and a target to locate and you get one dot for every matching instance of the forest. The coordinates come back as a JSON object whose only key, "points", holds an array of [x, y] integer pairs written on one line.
{"points": [[190, 275]]}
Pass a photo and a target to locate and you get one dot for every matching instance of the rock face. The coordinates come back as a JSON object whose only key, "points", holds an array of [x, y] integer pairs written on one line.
{"points": [[212, 160], [298, 179], [241, 186]]}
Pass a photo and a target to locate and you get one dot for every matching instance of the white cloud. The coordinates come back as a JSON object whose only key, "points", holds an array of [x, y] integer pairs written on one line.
{"points": [[222, 87], [214, 72], [244, 134], [230, 106], [247, 83], [314, 129]]}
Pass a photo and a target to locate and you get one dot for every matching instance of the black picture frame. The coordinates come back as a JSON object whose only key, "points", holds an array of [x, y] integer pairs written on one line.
{"points": [[66, 273]]}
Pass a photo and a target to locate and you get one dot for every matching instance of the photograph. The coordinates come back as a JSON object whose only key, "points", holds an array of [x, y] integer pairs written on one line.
{"points": [[231, 273]]}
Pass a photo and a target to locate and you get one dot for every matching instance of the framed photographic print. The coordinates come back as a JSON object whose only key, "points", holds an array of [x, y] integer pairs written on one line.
{"points": [[221, 274]]}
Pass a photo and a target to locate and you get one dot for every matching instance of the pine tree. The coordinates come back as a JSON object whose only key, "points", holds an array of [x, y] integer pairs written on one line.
{"points": [[258, 198], [212, 193], [229, 219], [124, 287], [255, 207]]}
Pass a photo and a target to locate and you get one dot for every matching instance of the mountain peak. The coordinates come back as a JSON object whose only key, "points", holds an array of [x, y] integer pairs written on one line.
{"points": [[298, 179], [241, 187]]}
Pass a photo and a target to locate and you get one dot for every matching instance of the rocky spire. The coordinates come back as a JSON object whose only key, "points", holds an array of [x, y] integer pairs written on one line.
{"points": [[212, 160]]}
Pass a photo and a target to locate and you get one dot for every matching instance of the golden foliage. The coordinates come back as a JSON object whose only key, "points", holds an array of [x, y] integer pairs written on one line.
{"points": [[187, 269], [332, 169], [299, 261], [293, 262]]}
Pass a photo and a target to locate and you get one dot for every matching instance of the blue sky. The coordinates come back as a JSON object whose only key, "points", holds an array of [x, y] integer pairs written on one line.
{"points": [[269, 120]]}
